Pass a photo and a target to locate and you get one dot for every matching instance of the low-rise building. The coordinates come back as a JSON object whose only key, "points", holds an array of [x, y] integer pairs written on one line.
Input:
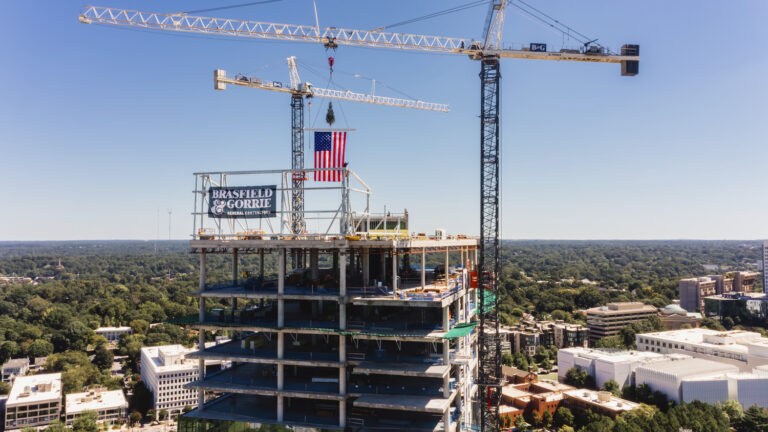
{"points": [[112, 334], [14, 368], [532, 397], [600, 402], [604, 364], [530, 334], [667, 376], [110, 406], [743, 349], [34, 401], [675, 317], [609, 319]]}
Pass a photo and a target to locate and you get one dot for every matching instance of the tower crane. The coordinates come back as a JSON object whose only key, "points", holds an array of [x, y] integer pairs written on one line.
{"points": [[298, 91], [488, 51]]}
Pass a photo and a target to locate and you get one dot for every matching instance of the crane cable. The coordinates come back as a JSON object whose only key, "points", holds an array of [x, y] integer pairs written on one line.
{"points": [[434, 14], [563, 29], [228, 7]]}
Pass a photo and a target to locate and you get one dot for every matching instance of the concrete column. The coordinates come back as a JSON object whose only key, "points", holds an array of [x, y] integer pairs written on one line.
{"points": [[446, 319], [234, 267], [280, 271], [447, 386], [280, 313], [261, 266], [201, 337], [342, 414], [423, 268], [342, 380], [313, 264], [280, 376], [394, 271], [366, 266], [447, 419], [342, 348], [383, 259], [446, 266], [446, 352], [279, 408], [343, 272], [280, 346], [342, 316]]}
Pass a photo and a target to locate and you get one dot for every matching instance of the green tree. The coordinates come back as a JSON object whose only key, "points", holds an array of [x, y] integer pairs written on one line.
{"points": [[139, 326], [506, 359], [7, 350], [151, 415], [611, 386], [186, 409], [86, 422], [546, 419], [40, 348], [102, 358], [135, 417], [162, 415], [5, 388], [521, 424], [563, 417], [330, 117], [734, 410], [56, 426], [755, 419], [546, 364], [142, 397]]}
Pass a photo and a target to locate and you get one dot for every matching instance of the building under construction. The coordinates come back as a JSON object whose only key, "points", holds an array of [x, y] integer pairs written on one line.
{"points": [[354, 324]]}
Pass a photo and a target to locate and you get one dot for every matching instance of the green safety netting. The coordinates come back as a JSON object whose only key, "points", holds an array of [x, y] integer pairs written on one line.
{"points": [[460, 330]]}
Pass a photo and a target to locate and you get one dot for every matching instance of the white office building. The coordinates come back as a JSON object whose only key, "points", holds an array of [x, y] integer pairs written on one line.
{"points": [[112, 334], [744, 349], [667, 377], [110, 406], [34, 401], [166, 371], [605, 364]]}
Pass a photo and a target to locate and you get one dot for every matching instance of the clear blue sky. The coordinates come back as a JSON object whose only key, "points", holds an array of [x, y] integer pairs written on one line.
{"points": [[101, 126]]}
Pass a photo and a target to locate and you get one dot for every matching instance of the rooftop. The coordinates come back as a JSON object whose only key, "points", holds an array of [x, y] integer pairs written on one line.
{"points": [[605, 399], [621, 307], [95, 400], [168, 358], [734, 340], [613, 356], [16, 363], [113, 329], [35, 388], [689, 367]]}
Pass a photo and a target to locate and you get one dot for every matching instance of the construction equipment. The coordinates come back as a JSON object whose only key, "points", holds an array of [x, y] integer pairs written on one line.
{"points": [[298, 91], [488, 52]]}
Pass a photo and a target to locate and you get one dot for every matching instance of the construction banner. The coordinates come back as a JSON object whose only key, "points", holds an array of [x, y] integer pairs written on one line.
{"points": [[242, 202]]}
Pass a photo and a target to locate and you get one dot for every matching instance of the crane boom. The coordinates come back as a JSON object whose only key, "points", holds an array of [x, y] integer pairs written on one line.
{"points": [[333, 36], [311, 91]]}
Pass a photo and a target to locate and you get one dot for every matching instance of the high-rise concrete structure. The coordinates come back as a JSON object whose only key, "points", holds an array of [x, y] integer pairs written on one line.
{"points": [[609, 319], [358, 327], [34, 401]]}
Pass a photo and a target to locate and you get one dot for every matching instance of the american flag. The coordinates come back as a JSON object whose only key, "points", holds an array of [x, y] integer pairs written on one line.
{"points": [[329, 153]]}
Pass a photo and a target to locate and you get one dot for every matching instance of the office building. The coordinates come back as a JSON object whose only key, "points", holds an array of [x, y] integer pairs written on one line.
{"points": [[746, 308], [667, 376], [743, 349], [604, 364], [528, 335], [600, 402], [675, 317], [166, 370], [110, 406], [112, 334], [14, 368], [352, 330], [694, 290], [34, 401], [609, 319]]}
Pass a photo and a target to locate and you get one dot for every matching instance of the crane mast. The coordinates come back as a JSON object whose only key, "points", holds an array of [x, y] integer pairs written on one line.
{"points": [[487, 51]]}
